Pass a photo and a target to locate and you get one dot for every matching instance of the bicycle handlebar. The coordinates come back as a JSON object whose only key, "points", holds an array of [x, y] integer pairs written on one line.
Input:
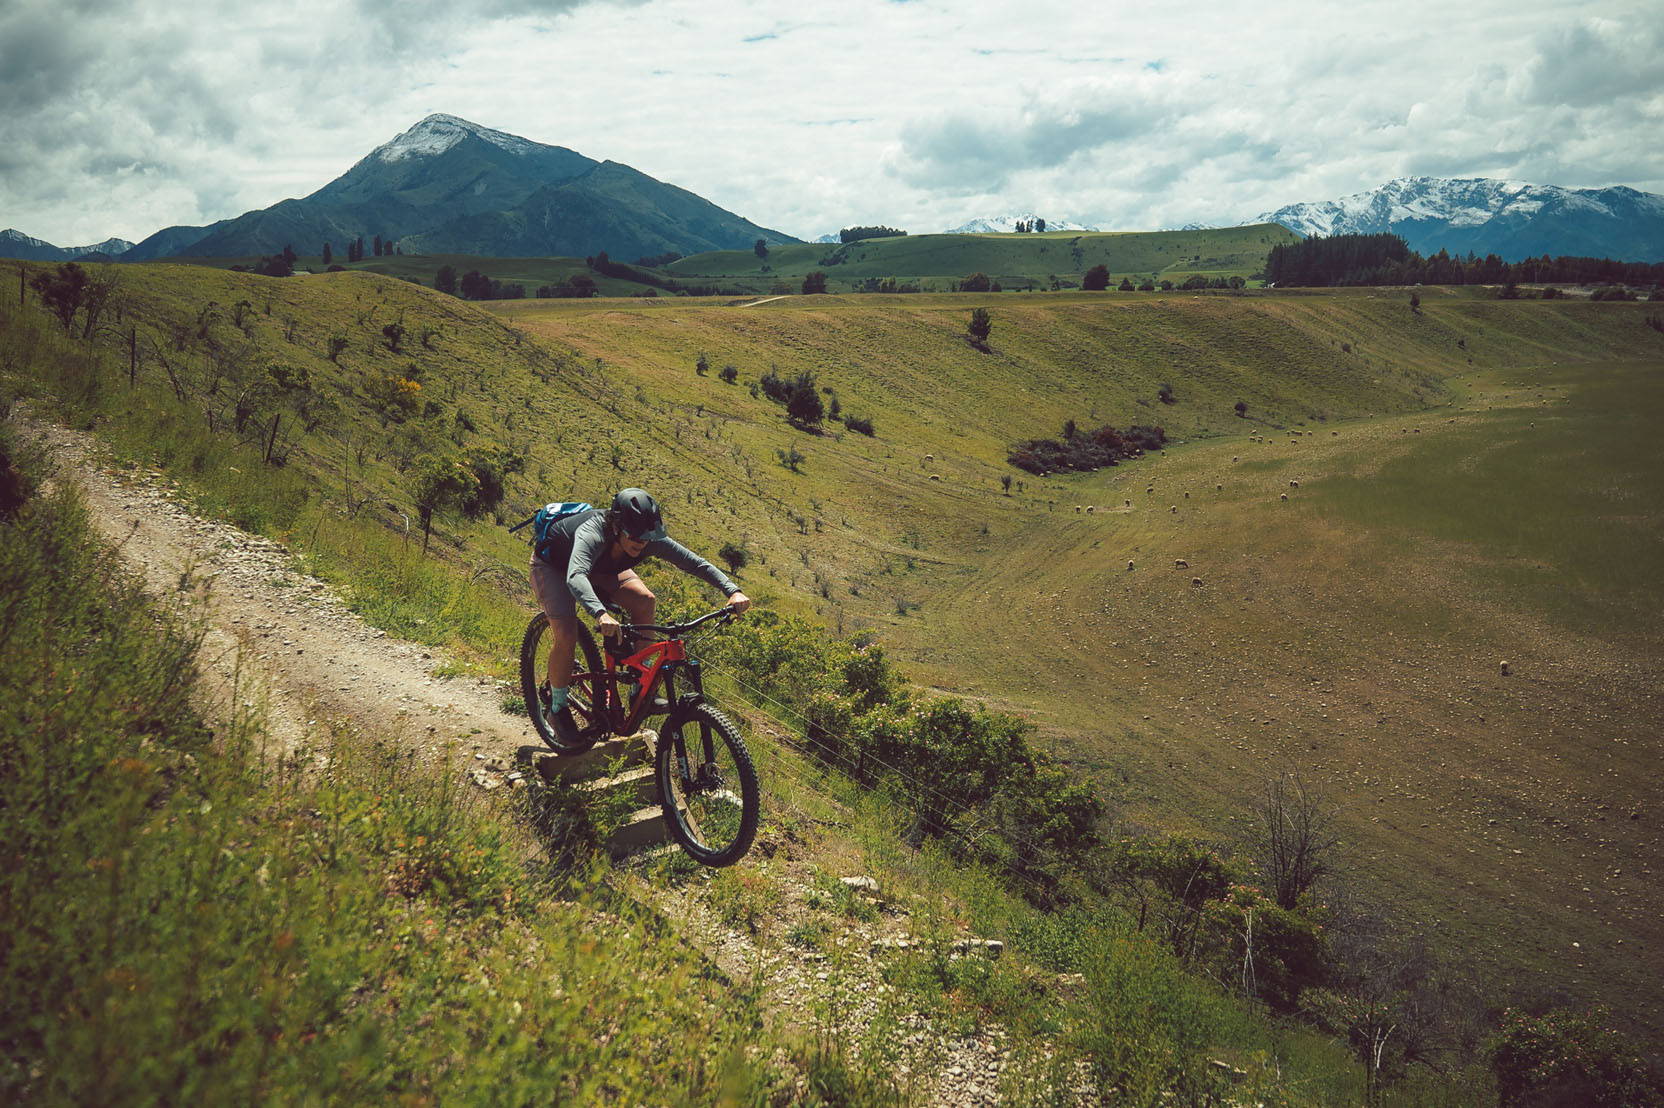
{"points": [[676, 630]]}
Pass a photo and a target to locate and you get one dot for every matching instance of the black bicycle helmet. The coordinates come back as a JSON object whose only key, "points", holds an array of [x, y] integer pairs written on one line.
{"points": [[637, 514]]}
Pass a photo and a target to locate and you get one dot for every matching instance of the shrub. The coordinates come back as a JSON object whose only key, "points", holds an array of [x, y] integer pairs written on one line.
{"points": [[1104, 447], [814, 283], [1569, 1058], [976, 282], [1095, 279], [980, 326], [1241, 407], [729, 374], [859, 423], [735, 556]]}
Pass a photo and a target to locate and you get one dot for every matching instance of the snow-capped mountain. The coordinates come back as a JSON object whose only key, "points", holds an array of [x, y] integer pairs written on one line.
{"points": [[446, 185], [1509, 218], [16, 244], [1005, 224], [439, 132]]}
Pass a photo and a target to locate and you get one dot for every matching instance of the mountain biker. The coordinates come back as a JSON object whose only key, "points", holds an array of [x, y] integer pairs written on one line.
{"points": [[590, 561]]}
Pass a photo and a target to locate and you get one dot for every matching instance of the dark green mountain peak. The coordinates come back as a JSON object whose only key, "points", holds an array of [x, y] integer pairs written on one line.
{"points": [[454, 184]]}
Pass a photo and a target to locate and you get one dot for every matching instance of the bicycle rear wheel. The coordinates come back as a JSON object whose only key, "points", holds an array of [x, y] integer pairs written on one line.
{"points": [[708, 786], [584, 692]]}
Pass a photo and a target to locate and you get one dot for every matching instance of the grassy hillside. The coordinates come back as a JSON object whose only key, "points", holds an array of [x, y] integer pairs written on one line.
{"points": [[1353, 632], [424, 269], [1016, 261]]}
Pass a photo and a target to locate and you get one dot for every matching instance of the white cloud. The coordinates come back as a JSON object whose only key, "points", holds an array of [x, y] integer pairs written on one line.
{"points": [[123, 117]]}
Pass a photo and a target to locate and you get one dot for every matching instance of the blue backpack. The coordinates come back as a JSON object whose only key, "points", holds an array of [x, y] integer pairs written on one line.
{"points": [[544, 520]]}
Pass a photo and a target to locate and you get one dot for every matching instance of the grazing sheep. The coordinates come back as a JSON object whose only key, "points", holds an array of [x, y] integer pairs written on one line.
{"points": [[1236, 458], [1284, 496], [935, 476], [1506, 670], [1077, 509], [1174, 509], [1219, 488], [1129, 565], [1127, 503], [1294, 484], [930, 457], [1152, 488], [1195, 582], [1180, 563], [1187, 495], [1090, 508]]}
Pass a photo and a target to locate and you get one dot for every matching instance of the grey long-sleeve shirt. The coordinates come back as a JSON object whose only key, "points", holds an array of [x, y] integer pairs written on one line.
{"points": [[583, 544]]}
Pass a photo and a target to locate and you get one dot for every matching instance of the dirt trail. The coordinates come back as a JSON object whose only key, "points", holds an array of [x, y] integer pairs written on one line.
{"points": [[278, 635]]}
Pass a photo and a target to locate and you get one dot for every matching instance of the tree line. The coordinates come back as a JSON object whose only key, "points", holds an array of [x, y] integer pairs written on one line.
{"points": [[1386, 259]]}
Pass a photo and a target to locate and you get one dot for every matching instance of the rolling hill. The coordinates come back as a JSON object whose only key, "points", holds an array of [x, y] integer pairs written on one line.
{"points": [[1018, 261], [1467, 484]]}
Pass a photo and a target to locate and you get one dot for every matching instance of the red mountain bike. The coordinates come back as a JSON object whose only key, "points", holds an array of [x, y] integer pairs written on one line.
{"points": [[707, 783]]}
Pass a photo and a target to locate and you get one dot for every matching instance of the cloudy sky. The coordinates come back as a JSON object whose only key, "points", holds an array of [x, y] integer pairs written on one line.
{"points": [[120, 117]]}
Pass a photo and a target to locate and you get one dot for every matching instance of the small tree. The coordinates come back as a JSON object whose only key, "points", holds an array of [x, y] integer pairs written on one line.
{"points": [[702, 366], [729, 373], [760, 248], [445, 279], [976, 282], [1126, 285], [804, 406], [735, 556], [329, 254], [980, 326], [1165, 392], [1095, 279], [394, 334], [814, 283], [441, 483], [1242, 409], [337, 343], [1295, 835], [791, 458], [62, 291]]}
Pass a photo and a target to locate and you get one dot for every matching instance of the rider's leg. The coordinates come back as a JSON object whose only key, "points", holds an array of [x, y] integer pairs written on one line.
{"points": [[563, 639], [632, 594], [555, 599]]}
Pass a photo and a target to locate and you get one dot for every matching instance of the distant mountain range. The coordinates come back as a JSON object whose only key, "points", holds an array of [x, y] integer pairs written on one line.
{"points": [[450, 186], [16, 244], [1506, 218]]}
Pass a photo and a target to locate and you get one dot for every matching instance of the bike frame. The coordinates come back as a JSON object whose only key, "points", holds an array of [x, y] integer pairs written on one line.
{"points": [[655, 664]]}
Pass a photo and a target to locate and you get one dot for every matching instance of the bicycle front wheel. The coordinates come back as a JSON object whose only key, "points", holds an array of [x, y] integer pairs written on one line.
{"points": [[708, 786], [584, 692]]}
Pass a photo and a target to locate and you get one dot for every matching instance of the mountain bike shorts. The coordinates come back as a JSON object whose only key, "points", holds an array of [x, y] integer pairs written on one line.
{"points": [[556, 600]]}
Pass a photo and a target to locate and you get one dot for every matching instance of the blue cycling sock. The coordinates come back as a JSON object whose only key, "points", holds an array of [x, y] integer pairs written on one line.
{"points": [[557, 699]]}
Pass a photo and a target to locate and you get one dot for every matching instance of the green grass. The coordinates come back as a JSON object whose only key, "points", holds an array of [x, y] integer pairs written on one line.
{"points": [[423, 269], [188, 914], [1337, 615]]}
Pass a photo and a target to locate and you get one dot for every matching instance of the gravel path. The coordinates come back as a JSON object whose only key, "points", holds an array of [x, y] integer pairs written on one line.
{"points": [[277, 635]]}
